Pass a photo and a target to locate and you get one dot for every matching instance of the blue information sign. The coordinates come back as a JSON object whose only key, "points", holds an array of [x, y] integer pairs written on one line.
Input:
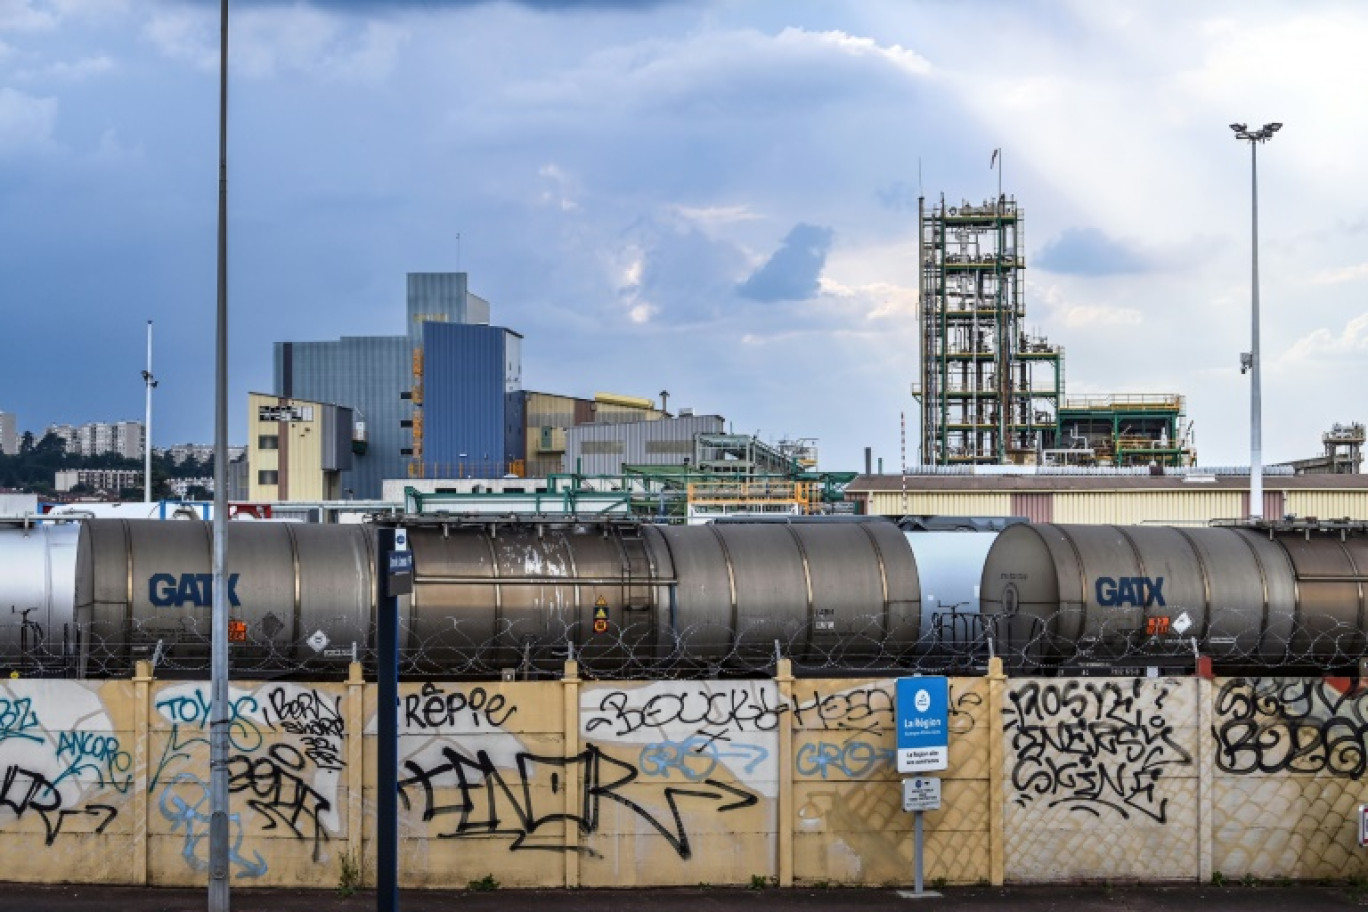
{"points": [[923, 705]]}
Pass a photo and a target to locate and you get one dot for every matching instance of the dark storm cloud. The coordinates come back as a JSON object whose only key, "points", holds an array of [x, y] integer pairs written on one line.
{"points": [[1089, 252], [791, 274]]}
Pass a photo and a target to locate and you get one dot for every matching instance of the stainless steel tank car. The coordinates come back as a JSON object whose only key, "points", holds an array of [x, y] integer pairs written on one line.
{"points": [[1247, 598], [37, 566], [298, 591]]}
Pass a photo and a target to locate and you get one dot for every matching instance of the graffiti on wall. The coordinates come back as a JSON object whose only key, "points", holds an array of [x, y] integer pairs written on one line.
{"points": [[1092, 746], [1292, 725], [285, 762], [62, 763]]}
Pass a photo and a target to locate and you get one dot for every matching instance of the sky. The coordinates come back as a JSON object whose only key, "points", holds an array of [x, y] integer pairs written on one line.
{"points": [[717, 198]]}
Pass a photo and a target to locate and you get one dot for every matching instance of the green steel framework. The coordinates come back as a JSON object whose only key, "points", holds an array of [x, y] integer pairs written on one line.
{"points": [[981, 399]]}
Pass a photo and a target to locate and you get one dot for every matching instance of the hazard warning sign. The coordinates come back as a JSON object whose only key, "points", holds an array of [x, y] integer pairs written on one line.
{"points": [[601, 615]]}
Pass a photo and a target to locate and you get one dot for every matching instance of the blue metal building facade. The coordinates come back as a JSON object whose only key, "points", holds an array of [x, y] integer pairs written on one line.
{"points": [[472, 379]]}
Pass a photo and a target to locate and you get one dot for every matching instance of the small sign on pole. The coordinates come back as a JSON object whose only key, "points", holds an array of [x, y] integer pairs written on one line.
{"points": [[1363, 825], [923, 705], [922, 793]]}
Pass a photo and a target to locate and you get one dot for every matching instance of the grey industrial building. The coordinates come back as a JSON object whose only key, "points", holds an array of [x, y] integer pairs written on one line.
{"points": [[375, 375]]}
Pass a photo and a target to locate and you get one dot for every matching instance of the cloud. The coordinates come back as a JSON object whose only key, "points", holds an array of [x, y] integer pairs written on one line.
{"points": [[1337, 276], [1084, 315], [1322, 345], [793, 272], [1087, 251], [295, 38], [674, 273], [713, 216], [74, 71], [25, 121]]}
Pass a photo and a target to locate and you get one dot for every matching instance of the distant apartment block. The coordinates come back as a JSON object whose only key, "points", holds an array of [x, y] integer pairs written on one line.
{"points": [[181, 487], [200, 452], [9, 433], [97, 438], [110, 480]]}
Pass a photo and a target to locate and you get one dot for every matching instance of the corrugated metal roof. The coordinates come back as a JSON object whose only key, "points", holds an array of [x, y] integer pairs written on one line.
{"points": [[1124, 482]]}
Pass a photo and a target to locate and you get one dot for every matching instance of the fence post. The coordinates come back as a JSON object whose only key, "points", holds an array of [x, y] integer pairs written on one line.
{"points": [[356, 772], [997, 692], [142, 751], [573, 812], [1206, 772], [783, 677]]}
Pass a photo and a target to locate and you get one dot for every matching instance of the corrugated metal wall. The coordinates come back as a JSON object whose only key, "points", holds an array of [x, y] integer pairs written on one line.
{"points": [[1327, 504], [367, 374], [943, 503], [465, 375], [1131, 507], [441, 297], [1035, 506], [602, 449]]}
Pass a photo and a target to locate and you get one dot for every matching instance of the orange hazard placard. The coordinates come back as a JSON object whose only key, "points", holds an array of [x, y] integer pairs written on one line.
{"points": [[237, 631]]}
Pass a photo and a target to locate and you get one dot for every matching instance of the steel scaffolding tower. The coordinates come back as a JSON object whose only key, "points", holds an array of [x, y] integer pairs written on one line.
{"points": [[989, 393]]}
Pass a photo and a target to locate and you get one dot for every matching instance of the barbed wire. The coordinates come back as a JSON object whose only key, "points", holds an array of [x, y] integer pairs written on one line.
{"points": [[462, 647]]}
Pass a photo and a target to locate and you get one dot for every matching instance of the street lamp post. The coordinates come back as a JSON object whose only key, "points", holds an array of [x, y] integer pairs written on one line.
{"points": [[1249, 361], [149, 382]]}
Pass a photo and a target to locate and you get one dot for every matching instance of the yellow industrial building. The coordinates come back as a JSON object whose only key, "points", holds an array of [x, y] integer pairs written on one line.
{"points": [[1188, 498]]}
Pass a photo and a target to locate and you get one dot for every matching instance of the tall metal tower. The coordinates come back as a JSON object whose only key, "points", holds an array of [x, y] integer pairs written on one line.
{"points": [[989, 393]]}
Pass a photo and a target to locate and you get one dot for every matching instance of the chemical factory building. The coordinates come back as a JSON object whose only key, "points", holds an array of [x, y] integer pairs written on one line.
{"points": [[375, 376], [1185, 498], [603, 449], [297, 449]]}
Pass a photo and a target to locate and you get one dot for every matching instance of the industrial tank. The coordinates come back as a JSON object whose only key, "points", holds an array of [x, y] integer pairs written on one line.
{"points": [[1246, 598], [631, 599], [37, 565], [296, 592]]}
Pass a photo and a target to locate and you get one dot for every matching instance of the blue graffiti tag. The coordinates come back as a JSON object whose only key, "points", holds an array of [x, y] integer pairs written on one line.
{"points": [[196, 822], [697, 756], [16, 718], [853, 759]]}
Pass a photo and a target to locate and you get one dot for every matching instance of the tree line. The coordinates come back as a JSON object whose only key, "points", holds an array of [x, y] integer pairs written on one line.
{"points": [[34, 468]]}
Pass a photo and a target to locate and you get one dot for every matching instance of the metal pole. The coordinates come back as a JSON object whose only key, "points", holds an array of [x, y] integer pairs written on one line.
{"points": [[218, 709], [148, 382], [917, 848], [1255, 405], [387, 731]]}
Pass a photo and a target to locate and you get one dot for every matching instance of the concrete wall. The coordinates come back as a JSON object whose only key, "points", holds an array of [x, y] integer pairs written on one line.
{"points": [[593, 783]]}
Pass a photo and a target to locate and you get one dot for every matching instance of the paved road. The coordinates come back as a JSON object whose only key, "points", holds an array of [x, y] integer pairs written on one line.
{"points": [[1089, 898]]}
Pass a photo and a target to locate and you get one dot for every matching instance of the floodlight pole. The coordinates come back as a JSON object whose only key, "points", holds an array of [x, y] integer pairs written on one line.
{"points": [[218, 708], [1251, 360], [149, 382]]}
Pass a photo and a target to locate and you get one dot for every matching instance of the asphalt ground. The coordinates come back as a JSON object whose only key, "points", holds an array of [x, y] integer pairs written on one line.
{"points": [[1189, 897]]}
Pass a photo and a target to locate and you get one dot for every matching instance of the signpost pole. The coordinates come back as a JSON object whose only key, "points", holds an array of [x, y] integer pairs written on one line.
{"points": [[395, 566], [923, 742], [917, 830]]}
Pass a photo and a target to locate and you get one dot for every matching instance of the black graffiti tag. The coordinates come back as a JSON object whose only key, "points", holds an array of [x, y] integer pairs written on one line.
{"points": [[701, 708], [1297, 725], [280, 794], [23, 790], [487, 803], [1092, 747], [435, 707]]}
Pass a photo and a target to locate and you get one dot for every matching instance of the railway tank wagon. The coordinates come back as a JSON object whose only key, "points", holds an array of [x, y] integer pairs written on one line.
{"points": [[38, 572], [1249, 599], [494, 595], [143, 589]]}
